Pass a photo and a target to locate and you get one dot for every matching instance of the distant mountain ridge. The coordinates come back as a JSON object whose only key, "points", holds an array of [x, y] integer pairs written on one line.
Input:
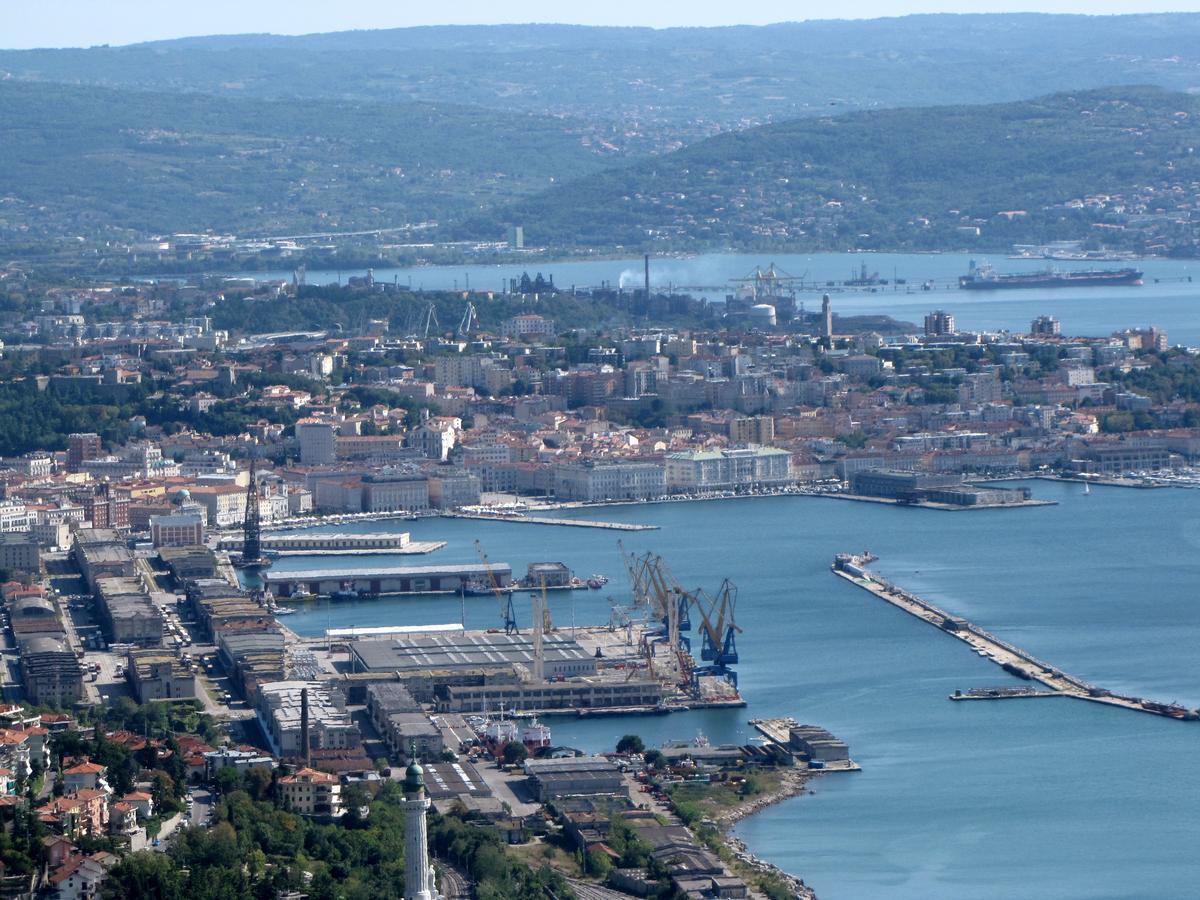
{"points": [[672, 86]]}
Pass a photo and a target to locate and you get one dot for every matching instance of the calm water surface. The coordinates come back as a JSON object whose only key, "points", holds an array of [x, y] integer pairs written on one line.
{"points": [[1030, 798]]}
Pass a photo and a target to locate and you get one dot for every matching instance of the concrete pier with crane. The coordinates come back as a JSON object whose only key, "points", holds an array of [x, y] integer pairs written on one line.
{"points": [[1012, 659]]}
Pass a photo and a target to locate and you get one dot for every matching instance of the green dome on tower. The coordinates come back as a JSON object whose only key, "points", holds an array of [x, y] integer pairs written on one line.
{"points": [[414, 775]]}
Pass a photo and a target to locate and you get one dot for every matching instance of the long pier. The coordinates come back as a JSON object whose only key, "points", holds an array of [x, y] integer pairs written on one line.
{"points": [[551, 520], [1012, 659]]}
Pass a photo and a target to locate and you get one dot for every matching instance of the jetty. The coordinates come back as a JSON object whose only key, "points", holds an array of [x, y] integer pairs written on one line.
{"points": [[819, 750], [1014, 660], [307, 543], [549, 520]]}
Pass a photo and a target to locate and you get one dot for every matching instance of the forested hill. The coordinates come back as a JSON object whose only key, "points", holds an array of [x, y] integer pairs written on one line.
{"points": [[83, 160], [1120, 164], [672, 84]]}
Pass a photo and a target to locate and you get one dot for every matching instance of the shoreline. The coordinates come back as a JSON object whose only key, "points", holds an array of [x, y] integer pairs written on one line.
{"points": [[793, 784]]}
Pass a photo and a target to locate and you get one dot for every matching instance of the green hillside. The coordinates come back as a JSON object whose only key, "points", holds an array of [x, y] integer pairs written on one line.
{"points": [[910, 178], [88, 161]]}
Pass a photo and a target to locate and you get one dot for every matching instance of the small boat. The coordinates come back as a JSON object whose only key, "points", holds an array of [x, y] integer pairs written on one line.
{"points": [[597, 581], [283, 611]]}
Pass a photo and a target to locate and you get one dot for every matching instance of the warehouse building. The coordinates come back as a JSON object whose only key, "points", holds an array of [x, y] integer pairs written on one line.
{"points": [[52, 673], [572, 776], [577, 693], [563, 656], [330, 726]]}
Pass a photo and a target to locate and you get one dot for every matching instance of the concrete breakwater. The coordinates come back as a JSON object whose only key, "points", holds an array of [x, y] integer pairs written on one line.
{"points": [[1012, 659]]}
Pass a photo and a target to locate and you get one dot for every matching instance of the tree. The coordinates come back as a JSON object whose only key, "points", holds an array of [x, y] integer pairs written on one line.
{"points": [[515, 752], [144, 876], [654, 758], [630, 743], [599, 864]]}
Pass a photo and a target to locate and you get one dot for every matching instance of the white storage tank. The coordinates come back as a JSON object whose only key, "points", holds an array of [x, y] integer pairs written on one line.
{"points": [[762, 315]]}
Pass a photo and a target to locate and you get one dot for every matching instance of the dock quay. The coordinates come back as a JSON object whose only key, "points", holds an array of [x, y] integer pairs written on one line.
{"points": [[299, 543], [1012, 659], [550, 520], [366, 583], [1003, 693], [819, 750]]}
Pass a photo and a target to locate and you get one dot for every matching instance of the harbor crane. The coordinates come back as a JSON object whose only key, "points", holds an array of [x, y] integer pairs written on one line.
{"points": [[469, 319], [655, 587], [769, 283], [430, 320], [507, 613], [718, 632]]}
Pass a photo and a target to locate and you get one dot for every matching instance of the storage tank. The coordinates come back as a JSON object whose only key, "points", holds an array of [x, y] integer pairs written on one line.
{"points": [[762, 315]]}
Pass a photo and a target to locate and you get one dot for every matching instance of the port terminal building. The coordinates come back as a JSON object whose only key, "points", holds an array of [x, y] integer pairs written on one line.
{"points": [[386, 579], [563, 657], [922, 487]]}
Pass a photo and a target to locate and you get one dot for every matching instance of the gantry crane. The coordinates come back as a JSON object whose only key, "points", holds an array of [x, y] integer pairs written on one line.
{"points": [[507, 613], [718, 632], [469, 319]]}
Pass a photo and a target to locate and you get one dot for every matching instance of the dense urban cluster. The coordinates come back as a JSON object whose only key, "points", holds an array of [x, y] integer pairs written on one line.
{"points": [[155, 437]]}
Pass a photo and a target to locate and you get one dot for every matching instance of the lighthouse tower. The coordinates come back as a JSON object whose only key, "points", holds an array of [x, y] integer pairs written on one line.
{"points": [[418, 873]]}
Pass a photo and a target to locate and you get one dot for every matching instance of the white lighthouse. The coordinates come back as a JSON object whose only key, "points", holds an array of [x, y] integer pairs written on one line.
{"points": [[418, 873]]}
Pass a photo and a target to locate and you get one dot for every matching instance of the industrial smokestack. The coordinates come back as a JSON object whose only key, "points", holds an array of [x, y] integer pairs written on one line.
{"points": [[646, 260], [305, 752]]}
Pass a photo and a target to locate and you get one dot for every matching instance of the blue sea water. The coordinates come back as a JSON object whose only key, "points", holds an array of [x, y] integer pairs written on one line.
{"points": [[1050, 798], [1168, 299]]}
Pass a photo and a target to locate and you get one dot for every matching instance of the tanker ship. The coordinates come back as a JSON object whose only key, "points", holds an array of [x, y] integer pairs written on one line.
{"points": [[985, 278]]}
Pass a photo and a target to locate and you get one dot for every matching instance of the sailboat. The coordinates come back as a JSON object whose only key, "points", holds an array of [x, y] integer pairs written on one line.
{"points": [[1087, 487]]}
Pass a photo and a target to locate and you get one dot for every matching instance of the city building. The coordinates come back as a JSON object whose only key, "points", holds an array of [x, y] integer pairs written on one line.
{"points": [[52, 674], [709, 470], [1045, 326], [179, 529], [529, 325], [329, 725], [316, 439], [20, 553], [308, 792], [160, 675], [82, 447], [598, 480], [938, 323]]}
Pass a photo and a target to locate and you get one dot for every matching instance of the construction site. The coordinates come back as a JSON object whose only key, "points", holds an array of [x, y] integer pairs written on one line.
{"points": [[640, 662]]}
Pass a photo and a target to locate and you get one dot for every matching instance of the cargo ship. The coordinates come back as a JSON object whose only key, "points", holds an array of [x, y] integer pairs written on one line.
{"points": [[985, 278]]}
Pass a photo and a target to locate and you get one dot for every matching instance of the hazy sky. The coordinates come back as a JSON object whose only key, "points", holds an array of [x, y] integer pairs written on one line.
{"points": [[81, 23]]}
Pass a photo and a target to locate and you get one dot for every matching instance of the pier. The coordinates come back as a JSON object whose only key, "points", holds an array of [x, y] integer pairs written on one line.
{"points": [[550, 520], [340, 584], [814, 744], [335, 543], [1012, 659]]}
